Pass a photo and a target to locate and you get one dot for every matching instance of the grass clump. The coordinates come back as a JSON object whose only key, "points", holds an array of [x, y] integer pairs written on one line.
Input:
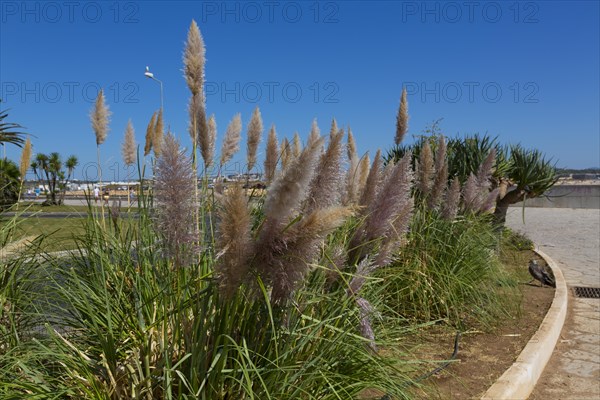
{"points": [[449, 270]]}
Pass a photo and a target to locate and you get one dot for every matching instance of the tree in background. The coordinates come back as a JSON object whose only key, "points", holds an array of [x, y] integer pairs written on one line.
{"points": [[9, 183], [515, 173], [50, 170]]}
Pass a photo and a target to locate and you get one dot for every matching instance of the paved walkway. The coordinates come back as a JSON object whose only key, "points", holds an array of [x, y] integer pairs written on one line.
{"points": [[572, 238]]}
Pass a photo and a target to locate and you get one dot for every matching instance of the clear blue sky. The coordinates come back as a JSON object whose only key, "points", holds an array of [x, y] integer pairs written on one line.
{"points": [[527, 72]]}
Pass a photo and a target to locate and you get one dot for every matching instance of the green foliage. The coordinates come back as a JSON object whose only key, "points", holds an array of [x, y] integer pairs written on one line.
{"points": [[448, 270], [531, 171], [123, 323], [516, 240], [9, 183], [9, 131]]}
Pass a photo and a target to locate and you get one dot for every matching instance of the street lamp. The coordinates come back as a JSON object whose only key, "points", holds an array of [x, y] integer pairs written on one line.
{"points": [[150, 75]]}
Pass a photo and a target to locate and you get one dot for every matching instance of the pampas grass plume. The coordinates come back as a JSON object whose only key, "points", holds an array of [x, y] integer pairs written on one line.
{"points": [[255, 129], [128, 148], [150, 135], [231, 142], [271, 155], [100, 118], [402, 118]]}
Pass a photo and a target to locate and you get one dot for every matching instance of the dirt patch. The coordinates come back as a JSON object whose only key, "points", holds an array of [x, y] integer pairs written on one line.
{"points": [[483, 356]]}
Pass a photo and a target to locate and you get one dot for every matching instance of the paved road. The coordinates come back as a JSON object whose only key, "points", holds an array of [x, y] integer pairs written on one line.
{"points": [[572, 238]]}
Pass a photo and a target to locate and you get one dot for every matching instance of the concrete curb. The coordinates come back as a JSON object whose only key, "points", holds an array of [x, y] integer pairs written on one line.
{"points": [[520, 379]]}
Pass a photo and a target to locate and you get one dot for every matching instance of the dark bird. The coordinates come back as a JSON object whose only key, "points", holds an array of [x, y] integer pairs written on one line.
{"points": [[540, 274]]}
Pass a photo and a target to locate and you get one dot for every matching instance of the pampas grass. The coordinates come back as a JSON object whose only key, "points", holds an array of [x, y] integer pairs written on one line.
{"points": [[296, 145], [441, 175], [174, 192], [315, 133], [391, 200], [208, 149], [25, 160], [351, 146], [271, 155], [234, 240], [194, 59], [159, 131], [451, 203], [302, 243], [364, 166], [402, 118], [327, 181], [231, 142], [370, 190], [150, 135], [100, 118], [291, 187], [334, 128], [425, 170], [255, 129], [128, 148], [285, 154]]}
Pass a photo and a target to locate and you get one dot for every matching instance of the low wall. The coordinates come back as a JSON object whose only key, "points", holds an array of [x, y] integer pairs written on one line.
{"points": [[567, 196]]}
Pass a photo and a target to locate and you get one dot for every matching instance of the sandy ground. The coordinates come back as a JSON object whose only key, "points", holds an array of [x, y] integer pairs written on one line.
{"points": [[572, 238]]}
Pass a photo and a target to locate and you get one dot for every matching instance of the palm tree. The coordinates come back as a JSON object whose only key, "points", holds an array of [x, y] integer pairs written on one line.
{"points": [[71, 163], [9, 132]]}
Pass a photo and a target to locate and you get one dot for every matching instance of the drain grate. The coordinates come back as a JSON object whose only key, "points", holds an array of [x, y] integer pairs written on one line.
{"points": [[587, 292]]}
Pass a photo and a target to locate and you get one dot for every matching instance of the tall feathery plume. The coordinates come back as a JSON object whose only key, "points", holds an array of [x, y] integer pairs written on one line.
{"points": [[193, 61], [352, 174], [291, 187], [285, 154], [159, 131], [296, 146], [25, 160], [129, 151], [24, 164], [470, 194], [441, 175], [231, 142], [100, 118], [315, 133], [425, 170], [370, 189], [255, 129], [128, 148], [234, 240], [484, 172], [150, 135], [383, 211], [208, 149], [302, 243], [271, 156], [325, 186], [364, 166], [286, 194], [450, 206], [402, 118], [334, 128], [489, 203], [351, 145], [174, 191]]}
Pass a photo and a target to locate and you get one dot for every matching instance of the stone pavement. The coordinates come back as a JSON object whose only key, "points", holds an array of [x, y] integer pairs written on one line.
{"points": [[572, 238]]}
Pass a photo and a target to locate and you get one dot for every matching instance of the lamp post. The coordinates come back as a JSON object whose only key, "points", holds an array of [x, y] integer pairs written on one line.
{"points": [[150, 75]]}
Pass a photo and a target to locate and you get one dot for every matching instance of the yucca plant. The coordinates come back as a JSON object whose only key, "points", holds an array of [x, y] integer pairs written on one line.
{"points": [[529, 174]]}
